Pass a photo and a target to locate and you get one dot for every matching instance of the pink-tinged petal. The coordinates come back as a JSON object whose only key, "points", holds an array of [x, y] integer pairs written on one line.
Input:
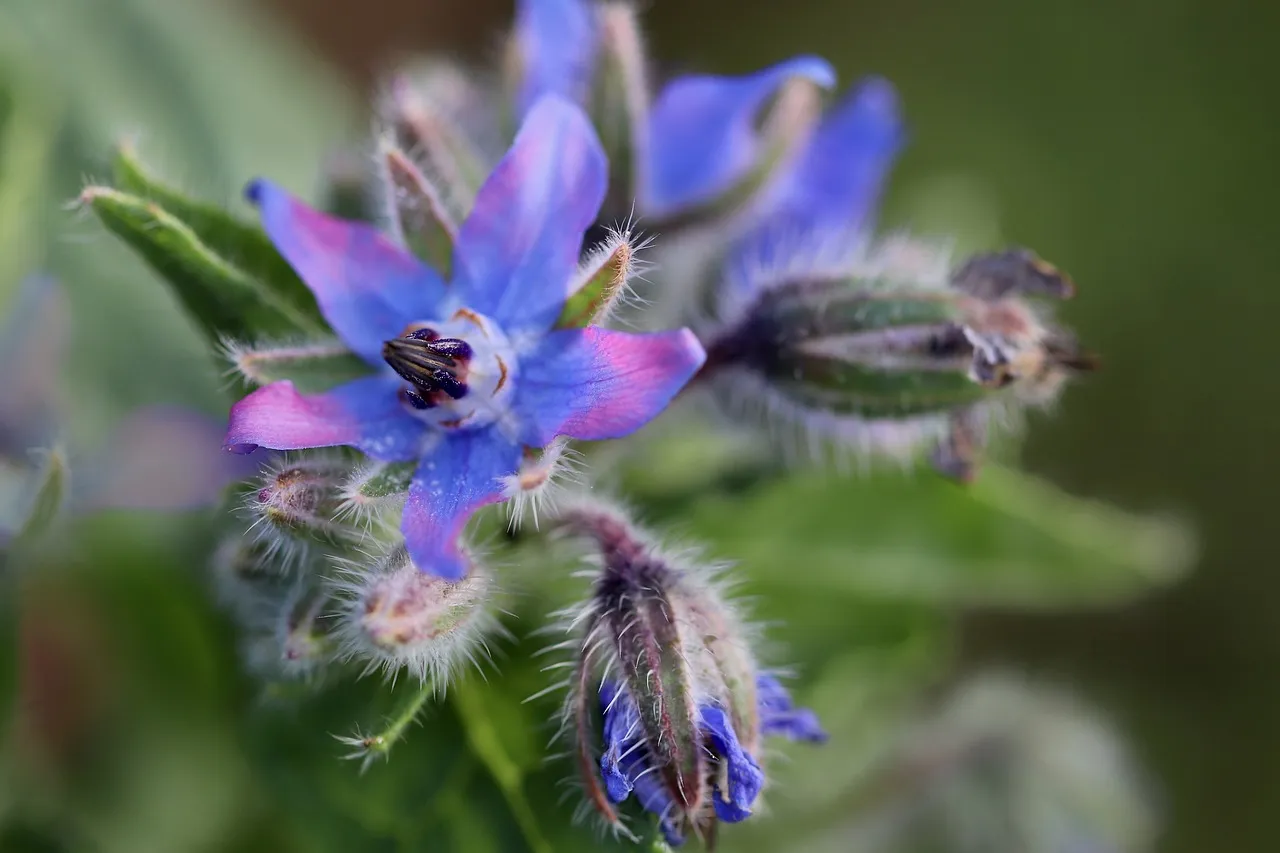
{"points": [[596, 383], [366, 414], [702, 133], [162, 458], [519, 247], [557, 40], [368, 288], [457, 478], [835, 183]]}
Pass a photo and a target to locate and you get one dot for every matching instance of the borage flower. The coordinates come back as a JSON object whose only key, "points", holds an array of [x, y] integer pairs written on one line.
{"points": [[700, 147], [468, 373], [668, 661]]}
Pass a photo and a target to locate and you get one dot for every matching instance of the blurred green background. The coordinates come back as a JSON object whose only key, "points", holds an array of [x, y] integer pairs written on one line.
{"points": [[1131, 143]]}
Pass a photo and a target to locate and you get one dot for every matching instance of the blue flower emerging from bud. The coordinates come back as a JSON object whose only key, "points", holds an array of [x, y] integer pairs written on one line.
{"points": [[467, 373], [667, 661]]}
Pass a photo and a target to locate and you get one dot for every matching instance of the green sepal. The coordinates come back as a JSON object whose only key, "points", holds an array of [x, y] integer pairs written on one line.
{"points": [[604, 281], [222, 297], [384, 480], [311, 367], [417, 209]]}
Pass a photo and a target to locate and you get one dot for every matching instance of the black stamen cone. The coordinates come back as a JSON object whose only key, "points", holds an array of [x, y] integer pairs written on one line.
{"points": [[428, 365]]}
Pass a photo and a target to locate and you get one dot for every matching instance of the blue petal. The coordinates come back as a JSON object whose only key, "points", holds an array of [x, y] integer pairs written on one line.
{"points": [[779, 716], [364, 413], [519, 248], [595, 383], [744, 776], [625, 765], [702, 137], [454, 480], [835, 183], [368, 288], [557, 40]]}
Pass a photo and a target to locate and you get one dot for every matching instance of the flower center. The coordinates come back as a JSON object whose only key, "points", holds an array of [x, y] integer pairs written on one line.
{"points": [[458, 371]]}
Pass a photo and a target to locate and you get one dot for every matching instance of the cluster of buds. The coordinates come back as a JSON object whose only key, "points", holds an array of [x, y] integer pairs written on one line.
{"points": [[890, 350], [666, 701], [1007, 765], [300, 578]]}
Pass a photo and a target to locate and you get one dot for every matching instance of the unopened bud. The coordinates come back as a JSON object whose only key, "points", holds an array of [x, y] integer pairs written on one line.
{"points": [[885, 356], [668, 662], [294, 643], [298, 503], [398, 617]]}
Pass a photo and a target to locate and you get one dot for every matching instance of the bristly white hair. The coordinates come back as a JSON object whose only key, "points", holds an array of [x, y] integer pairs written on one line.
{"points": [[392, 616], [251, 362], [535, 489]]}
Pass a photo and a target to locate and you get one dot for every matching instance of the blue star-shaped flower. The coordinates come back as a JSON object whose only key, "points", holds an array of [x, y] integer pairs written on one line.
{"points": [[469, 372]]}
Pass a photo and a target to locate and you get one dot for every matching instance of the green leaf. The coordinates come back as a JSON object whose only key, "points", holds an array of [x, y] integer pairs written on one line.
{"points": [[225, 299], [1009, 540], [311, 367], [50, 493], [244, 245]]}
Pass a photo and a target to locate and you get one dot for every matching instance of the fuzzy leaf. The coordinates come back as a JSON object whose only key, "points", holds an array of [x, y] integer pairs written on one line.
{"points": [[242, 244], [311, 367], [225, 299], [603, 280], [1010, 539]]}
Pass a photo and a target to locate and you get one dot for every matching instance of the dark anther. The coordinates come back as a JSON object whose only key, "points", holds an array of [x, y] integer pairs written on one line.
{"points": [[413, 398], [429, 364]]}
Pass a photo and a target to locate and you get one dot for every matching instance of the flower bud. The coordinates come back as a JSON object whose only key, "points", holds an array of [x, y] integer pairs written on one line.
{"points": [[1004, 765], [293, 641], [397, 616], [668, 662], [880, 353], [298, 503]]}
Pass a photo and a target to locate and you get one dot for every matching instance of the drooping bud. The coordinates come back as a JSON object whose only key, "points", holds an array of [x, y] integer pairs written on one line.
{"points": [[1005, 765], [397, 616], [667, 661], [297, 504], [879, 352]]}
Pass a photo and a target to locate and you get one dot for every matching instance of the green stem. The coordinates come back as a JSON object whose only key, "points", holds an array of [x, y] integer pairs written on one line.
{"points": [[484, 741]]}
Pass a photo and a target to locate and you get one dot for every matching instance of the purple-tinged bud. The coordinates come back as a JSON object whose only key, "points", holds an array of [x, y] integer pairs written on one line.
{"points": [[397, 616], [882, 350], [297, 504], [668, 663]]}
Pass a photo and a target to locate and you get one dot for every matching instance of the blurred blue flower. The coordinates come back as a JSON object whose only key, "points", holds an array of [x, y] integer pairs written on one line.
{"points": [[696, 139], [471, 372]]}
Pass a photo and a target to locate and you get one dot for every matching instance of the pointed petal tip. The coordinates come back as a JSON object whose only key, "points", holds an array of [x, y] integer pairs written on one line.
{"points": [[254, 191], [240, 449], [813, 68]]}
